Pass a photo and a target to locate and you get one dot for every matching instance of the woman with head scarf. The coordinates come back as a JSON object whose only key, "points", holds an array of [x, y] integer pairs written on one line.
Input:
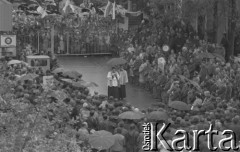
{"points": [[132, 139]]}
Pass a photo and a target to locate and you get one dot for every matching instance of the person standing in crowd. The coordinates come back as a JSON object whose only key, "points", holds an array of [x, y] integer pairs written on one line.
{"points": [[161, 64], [224, 42], [113, 83], [132, 139], [123, 130], [131, 70], [174, 92], [104, 125], [119, 143], [92, 121], [131, 49], [85, 113], [83, 133], [123, 80], [142, 70], [61, 45]]}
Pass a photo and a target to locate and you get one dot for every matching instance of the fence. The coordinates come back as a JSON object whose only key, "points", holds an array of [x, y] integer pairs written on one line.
{"points": [[68, 45], [94, 37]]}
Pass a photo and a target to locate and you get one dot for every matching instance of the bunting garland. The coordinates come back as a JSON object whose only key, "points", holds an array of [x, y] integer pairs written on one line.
{"points": [[49, 7]]}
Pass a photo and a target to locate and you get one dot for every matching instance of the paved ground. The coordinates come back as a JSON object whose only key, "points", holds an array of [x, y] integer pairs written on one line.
{"points": [[94, 69]]}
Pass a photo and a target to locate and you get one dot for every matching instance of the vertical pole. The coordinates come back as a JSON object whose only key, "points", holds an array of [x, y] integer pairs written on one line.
{"points": [[52, 40], [67, 42], [129, 5], [196, 27], [38, 42]]}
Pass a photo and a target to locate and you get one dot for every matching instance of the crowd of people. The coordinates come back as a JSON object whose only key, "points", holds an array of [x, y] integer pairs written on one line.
{"points": [[92, 38], [173, 65], [117, 80], [90, 112]]}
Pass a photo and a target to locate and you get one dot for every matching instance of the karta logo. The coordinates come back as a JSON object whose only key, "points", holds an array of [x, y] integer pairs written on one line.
{"points": [[153, 136]]}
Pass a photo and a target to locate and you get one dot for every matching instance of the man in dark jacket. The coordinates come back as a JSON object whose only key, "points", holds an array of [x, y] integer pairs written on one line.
{"points": [[224, 41], [104, 125], [178, 43], [92, 121]]}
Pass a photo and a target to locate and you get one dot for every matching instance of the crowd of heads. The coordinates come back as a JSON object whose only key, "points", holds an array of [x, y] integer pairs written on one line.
{"points": [[184, 73], [192, 71]]}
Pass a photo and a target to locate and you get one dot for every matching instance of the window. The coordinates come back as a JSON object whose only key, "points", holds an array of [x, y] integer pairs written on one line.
{"points": [[39, 62]]}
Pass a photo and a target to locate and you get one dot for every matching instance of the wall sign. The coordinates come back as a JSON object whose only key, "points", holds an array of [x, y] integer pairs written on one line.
{"points": [[8, 41]]}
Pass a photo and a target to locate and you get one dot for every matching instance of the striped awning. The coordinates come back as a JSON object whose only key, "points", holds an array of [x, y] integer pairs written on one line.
{"points": [[5, 15]]}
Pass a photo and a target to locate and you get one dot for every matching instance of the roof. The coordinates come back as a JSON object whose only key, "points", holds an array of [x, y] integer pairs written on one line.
{"points": [[38, 57]]}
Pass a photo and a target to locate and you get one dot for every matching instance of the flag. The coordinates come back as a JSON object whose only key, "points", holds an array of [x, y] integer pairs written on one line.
{"points": [[66, 5], [42, 11], [108, 8], [114, 11]]}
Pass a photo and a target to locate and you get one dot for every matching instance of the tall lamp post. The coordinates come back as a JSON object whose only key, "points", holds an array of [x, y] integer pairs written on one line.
{"points": [[52, 39]]}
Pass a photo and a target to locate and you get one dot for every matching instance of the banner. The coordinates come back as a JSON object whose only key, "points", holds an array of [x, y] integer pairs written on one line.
{"points": [[8, 41]]}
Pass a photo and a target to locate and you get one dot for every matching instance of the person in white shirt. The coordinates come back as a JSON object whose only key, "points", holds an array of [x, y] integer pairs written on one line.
{"points": [[161, 63], [198, 102], [131, 49], [113, 83]]}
